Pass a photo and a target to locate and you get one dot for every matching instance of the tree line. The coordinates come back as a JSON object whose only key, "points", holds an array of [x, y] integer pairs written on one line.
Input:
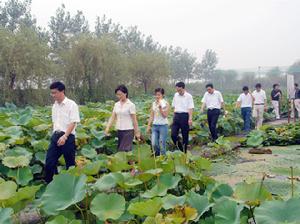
{"points": [[92, 59]]}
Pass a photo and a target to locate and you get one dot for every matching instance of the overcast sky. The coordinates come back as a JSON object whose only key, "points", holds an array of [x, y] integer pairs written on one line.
{"points": [[244, 33]]}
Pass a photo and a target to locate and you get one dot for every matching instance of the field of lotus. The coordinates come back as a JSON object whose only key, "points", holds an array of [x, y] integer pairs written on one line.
{"points": [[171, 189]]}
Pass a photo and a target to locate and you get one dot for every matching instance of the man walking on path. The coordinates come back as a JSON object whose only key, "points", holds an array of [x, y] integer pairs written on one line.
{"points": [[276, 95], [260, 105], [245, 102], [213, 101], [65, 116], [183, 105], [297, 99]]}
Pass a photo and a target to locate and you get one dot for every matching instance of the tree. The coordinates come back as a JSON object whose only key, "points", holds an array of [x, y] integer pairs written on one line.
{"points": [[149, 69], [208, 65], [224, 79], [183, 65], [106, 27], [294, 69], [15, 14]]}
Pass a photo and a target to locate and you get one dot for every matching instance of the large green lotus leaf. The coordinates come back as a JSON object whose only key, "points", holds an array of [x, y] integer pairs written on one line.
{"points": [[65, 190], [60, 219], [146, 208], [19, 151], [165, 182], [118, 162], [149, 174], [108, 206], [271, 212], [3, 136], [219, 190], [108, 181], [92, 168], [88, 151], [36, 169], [143, 155], [23, 119], [6, 215], [13, 131], [252, 194], [227, 211], [7, 190], [22, 198], [199, 202], [41, 127], [171, 201], [13, 162], [40, 145], [203, 164], [21, 175], [40, 156]]}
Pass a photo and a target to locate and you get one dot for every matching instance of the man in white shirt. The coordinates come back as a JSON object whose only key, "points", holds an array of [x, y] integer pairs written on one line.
{"points": [[183, 105], [245, 102], [213, 101], [65, 116], [260, 105]]}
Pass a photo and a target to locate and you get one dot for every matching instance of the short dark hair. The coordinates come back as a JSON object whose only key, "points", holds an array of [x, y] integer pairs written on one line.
{"points": [[58, 85], [245, 88], [123, 89], [274, 86], [258, 85], [180, 85], [296, 84], [209, 85], [159, 90]]}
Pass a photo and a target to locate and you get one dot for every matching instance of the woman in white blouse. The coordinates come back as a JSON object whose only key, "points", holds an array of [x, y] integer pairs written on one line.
{"points": [[124, 113], [159, 119]]}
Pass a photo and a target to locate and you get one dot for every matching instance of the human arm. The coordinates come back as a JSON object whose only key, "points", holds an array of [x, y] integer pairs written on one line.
{"points": [[150, 121], [110, 123], [135, 126]]}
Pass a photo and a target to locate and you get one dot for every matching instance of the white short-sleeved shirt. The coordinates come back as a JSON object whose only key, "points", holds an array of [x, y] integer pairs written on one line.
{"points": [[259, 97], [213, 101], [123, 113], [158, 119], [182, 103], [245, 100], [63, 114]]}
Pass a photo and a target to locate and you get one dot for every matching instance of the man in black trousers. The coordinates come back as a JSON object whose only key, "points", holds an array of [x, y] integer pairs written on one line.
{"points": [[65, 116], [213, 101], [183, 105]]}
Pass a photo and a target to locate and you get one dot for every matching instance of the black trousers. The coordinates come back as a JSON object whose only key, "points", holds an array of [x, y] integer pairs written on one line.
{"points": [[181, 122], [55, 151], [212, 118]]}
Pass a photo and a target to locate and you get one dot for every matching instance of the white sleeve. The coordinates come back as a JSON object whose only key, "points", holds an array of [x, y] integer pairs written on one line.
{"points": [[264, 95], [204, 98], [74, 113], [53, 114], [132, 109], [191, 103], [173, 101], [221, 98], [239, 98]]}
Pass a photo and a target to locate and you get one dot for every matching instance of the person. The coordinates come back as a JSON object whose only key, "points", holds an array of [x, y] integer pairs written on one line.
{"points": [[297, 98], [260, 105], [276, 95], [213, 101], [159, 119], [124, 113], [183, 105], [65, 116], [245, 101]]}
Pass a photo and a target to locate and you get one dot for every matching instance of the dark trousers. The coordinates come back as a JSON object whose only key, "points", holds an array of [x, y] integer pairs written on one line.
{"points": [[55, 151], [246, 114], [181, 122], [212, 118]]}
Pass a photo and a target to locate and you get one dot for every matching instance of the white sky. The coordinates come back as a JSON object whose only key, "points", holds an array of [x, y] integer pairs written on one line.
{"points": [[244, 33]]}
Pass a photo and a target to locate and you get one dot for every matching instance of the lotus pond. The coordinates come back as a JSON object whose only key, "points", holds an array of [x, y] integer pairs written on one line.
{"points": [[177, 188]]}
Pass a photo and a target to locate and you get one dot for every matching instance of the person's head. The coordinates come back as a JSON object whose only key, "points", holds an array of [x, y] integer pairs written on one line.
{"points": [[258, 86], [296, 85], [246, 89], [180, 87], [57, 91], [159, 93], [276, 86], [209, 88], [121, 92]]}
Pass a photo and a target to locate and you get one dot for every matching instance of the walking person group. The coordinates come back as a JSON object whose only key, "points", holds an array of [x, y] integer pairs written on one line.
{"points": [[65, 117]]}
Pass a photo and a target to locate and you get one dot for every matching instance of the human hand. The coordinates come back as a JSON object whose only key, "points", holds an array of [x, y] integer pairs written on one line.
{"points": [[62, 140]]}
